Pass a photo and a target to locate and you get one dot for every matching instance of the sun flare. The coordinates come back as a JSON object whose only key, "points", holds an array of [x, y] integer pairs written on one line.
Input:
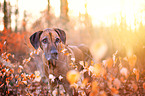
{"points": [[104, 12]]}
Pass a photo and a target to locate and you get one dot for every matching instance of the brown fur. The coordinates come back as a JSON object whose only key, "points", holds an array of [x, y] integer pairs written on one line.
{"points": [[52, 41]]}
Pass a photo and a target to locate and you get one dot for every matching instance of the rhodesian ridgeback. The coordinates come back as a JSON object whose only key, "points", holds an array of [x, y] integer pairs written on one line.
{"points": [[56, 62]]}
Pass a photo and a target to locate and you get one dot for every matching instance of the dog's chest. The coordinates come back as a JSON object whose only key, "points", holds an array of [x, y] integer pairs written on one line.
{"points": [[58, 70]]}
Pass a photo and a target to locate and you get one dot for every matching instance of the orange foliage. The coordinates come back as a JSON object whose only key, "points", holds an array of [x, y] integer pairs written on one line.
{"points": [[13, 42]]}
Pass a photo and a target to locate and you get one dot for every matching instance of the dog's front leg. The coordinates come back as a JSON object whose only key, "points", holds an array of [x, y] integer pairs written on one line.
{"points": [[52, 86], [67, 87]]}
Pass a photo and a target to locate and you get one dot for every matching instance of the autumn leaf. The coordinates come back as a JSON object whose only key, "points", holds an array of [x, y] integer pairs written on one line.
{"points": [[134, 85], [23, 75], [82, 63], [31, 54], [60, 77], [66, 54], [94, 90], [12, 70], [102, 93], [97, 69], [73, 76], [114, 91], [16, 76], [93, 93], [73, 59], [117, 83], [32, 76], [144, 85], [124, 72], [94, 85], [74, 85], [136, 72], [63, 50], [122, 79], [84, 82], [109, 63], [52, 77], [132, 60], [37, 76], [25, 82], [3, 70], [2, 85]]}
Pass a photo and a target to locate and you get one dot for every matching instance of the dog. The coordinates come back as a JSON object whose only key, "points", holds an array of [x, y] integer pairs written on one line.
{"points": [[57, 55]]}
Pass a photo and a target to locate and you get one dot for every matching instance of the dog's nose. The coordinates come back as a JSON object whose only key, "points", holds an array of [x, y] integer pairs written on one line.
{"points": [[54, 53]]}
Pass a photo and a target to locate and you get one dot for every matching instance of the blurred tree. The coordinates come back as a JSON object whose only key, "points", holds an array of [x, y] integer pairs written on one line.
{"points": [[64, 11], [0, 5], [16, 15], [48, 6], [24, 21], [5, 18], [87, 21], [9, 15], [48, 13]]}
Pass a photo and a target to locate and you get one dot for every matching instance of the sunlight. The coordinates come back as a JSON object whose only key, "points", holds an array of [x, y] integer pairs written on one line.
{"points": [[102, 12], [111, 9], [76, 7], [1, 27], [55, 5], [105, 11]]}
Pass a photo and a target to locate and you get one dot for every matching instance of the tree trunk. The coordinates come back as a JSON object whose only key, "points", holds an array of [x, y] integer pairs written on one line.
{"points": [[24, 22], [5, 18], [16, 15], [9, 16], [64, 11], [48, 6], [48, 14]]}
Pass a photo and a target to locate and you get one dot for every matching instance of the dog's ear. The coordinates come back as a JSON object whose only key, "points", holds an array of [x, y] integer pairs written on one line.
{"points": [[34, 39], [61, 34]]}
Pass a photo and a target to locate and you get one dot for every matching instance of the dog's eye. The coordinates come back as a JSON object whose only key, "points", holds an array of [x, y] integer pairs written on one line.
{"points": [[57, 40], [44, 41]]}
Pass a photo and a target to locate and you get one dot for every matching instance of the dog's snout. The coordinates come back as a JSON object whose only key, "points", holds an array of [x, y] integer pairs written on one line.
{"points": [[54, 54]]}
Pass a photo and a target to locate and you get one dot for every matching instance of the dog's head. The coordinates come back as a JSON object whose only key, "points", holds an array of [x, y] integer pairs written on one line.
{"points": [[49, 41]]}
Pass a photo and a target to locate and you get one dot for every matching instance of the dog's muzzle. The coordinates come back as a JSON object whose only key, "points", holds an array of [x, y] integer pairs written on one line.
{"points": [[52, 56]]}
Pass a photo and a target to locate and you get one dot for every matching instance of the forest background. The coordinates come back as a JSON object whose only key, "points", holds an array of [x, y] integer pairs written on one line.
{"points": [[110, 28]]}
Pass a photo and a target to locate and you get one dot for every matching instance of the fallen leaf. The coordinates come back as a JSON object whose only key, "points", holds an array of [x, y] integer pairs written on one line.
{"points": [[52, 77], [60, 77], [134, 85], [144, 85], [25, 82], [109, 62], [97, 69], [94, 91], [132, 60], [124, 72], [136, 72], [63, 50], [114, 91], [117, 83], [102, 93], [94, 86], [73, 76], [84, 82], [73, 59]]}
